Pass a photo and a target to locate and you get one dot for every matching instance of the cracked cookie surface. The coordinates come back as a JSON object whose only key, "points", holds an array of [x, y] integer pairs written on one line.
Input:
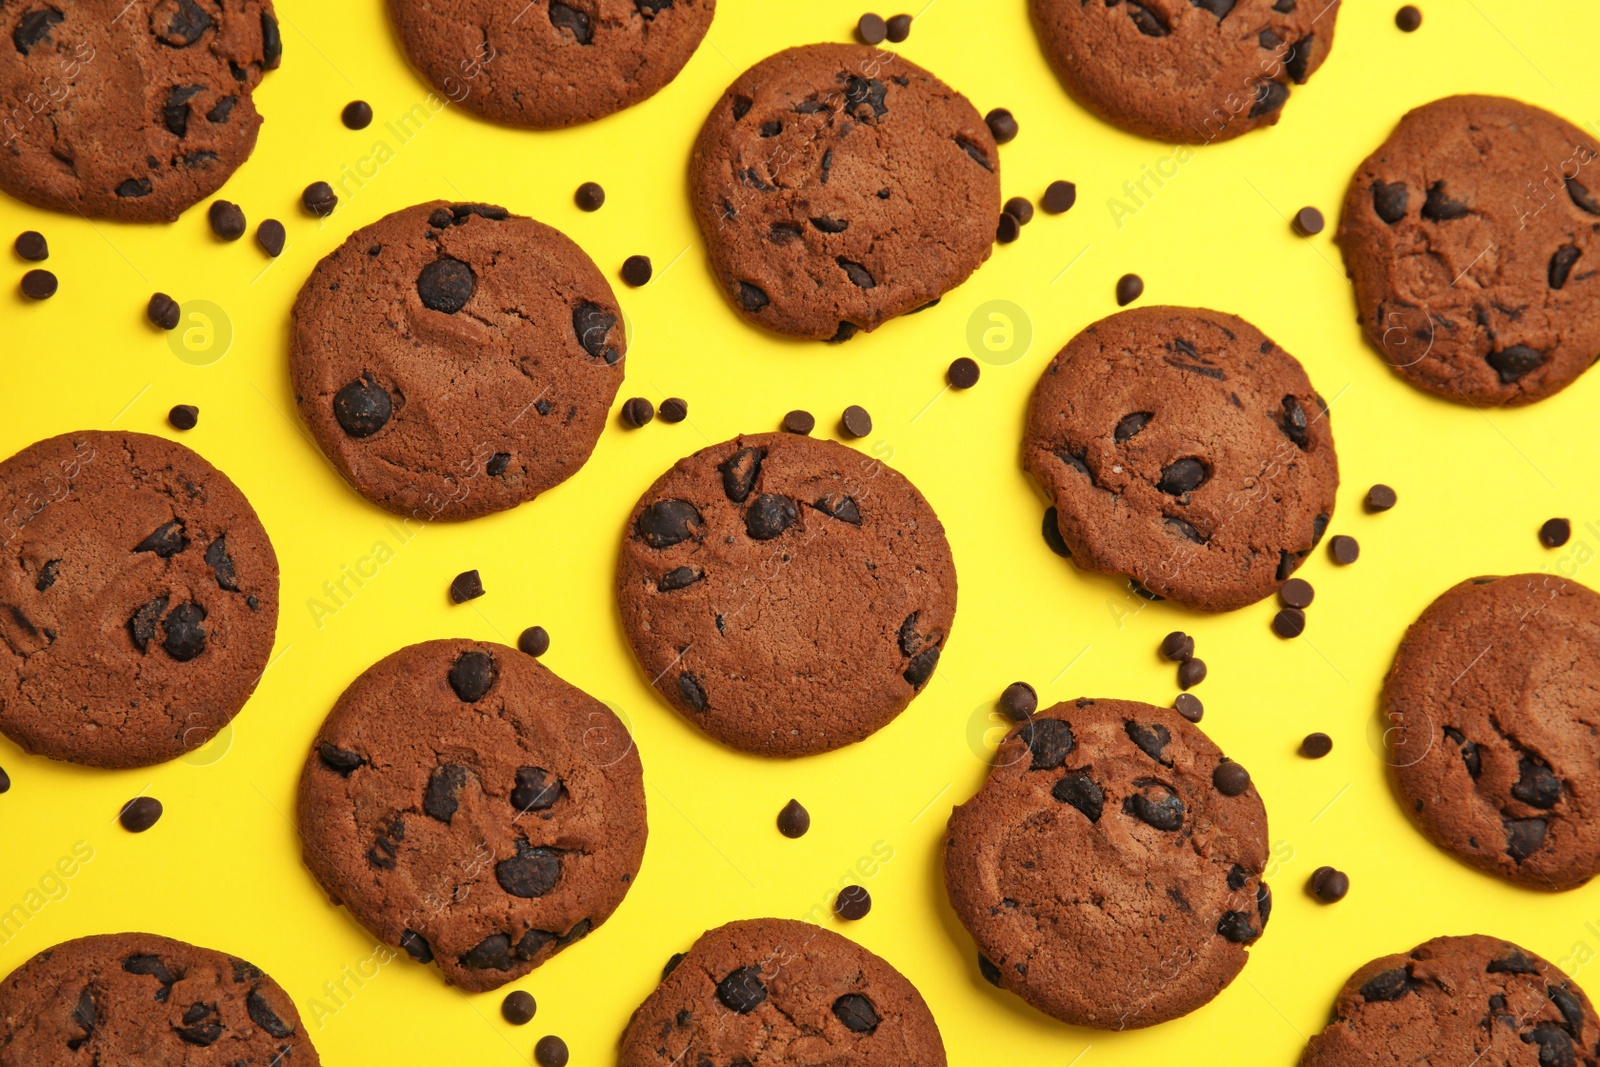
{"points": [[1472, 236], [125, 1000], [1493, 729], [786, 595], [1459, 1002], [544, 64], [765, 992], [454, 360], [138, 599], [838, 186], [470, 807], [1185, 449], [1185, 71], [1110, 875], [130, 110]]}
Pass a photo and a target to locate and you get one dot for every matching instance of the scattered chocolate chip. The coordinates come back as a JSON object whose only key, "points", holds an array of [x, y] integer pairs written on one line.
{"points": [[1344, 550], [1191, 673], [638, 412], [551, 1051], [519, 1006], [1290, 622], [466, 586], [1408, 18], [1059, 197], [1189, 707], [535, 641], [1130, 287], [162, 311], [855, 422], [853, 902], [139, 814], [1177, 647], [32, 246], [899, 28], [871, 29], [319, 199], [1019, 701], [674, 409], [590, 196], [1008, 229], [1329, 885], [184, 417], [357, 115], [1020, 208], [963, 373], [1230, 778], [1315, 746], [800, 422], [1555, 533], [794, 820], [39, 285], [1308, 222], [1381, 498], [227, 220], [637, 270], [1002, 124], [270, 236], [1297, 593]]}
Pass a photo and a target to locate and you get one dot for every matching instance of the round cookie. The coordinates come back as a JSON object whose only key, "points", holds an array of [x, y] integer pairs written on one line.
{"points": [[787, 595], [544, 64], [1185, 449], [838, 186], [1459, 1002], [1185, 71], [1472, 236], [771, 992], [116, 1000], [1490, 713], [1110, 867], [139, 606], [130, 110], [454, 360], [470, 807]]}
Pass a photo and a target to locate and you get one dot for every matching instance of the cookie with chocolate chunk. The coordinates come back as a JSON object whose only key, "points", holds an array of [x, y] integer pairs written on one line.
{"points": [[1490, 715], [1185, 71], [838, 186], [139, 603], [787, 595], [1185, 449], [1472, 236], [771, 992], [1459, 1002], [130, 110], [454, 360], [1110, 869], [470, 807], [116, 999]]}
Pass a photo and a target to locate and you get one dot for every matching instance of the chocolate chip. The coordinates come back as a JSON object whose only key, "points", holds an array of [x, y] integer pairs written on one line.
{"points": [[227, 220], [184, 417], [672, 964], [1581, 196], [1082, 792], [1178, 647], [1297, 593], [1019, 701], [531, 873], [1439, 207], [674, 409], [1189, 707], [1230, 779], [135, 188], [142, 624], [535, 641], [1129, 288], [551, 1051], [1536, 785], [1329, 885], [752, 298], [1020, 208], [692, 691], [1235, 926], [769, 515], [357, 115], [139, 814], [1151, 739], [1315, 746], [853, 902], [536, 790], [5, 781], [990, 972], [1381, 498], [1289, 623], [590, 196], [446, 285], [742, 990], [416, 946], [472, 675], [855, 422], [1008, 229], [1344, 550], [1389, 200], [362, 407], [1387, 986], [39, 285], [162, 311], [319, 199], [637, 412], [668, 522], [1183, 476], [439, 797], [270, 236], [1515, 362], [800, 422], [1555, 533], [1049, 740], [871, 29], [794, 820], [166, 541], [186, 638], [1270, 95], [519, 1006], [340, 761], [1408, 18], [1002, 125], [467, 585], [32, 246], [1155, 805], [857, 1013], [637, 270], [1059, 197], [1308, 222], [592, 324], [1561, 263], [963, 373], [1052, 534], [899, 28], [1191, 673]]}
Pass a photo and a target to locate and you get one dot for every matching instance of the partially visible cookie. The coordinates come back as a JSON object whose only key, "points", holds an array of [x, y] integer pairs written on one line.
{"points": [[1459, 1002], [1110, 868], [838, 186], [1185, 71], [470, 807], [543, 64], [1473, 238], [130, 109], [787, 595], [771, 992], [1491, 729], [1185, 449], [454, 360], [115, 1000], [138, 604]]}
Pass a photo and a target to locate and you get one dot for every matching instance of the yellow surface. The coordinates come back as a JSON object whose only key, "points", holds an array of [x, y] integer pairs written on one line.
{"points": [[222, 868]]}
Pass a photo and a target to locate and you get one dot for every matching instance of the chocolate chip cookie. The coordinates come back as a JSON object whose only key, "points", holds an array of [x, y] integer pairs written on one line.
{"points": [[130, 110], [454, 360], [787, 595], [770, 992], [543, 64], [1459, 1002], [138, 602], [468, 806], [1491, 727], [1185, 449], [1473, 238], [1185, 71], [121, 999], [838, 186], [1110, 868]]}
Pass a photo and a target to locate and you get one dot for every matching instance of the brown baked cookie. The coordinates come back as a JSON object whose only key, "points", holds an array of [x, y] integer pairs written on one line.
{"points": [[1110, 868], [470, 807], [1491, 727], [838, 186], [1185, 71], [454, 360], [129, 109], [771, 992], [1459, 1002], [1473, 238], [1185, 449], [787, 595], [128, 1000], [544, 64], [138, 602]]}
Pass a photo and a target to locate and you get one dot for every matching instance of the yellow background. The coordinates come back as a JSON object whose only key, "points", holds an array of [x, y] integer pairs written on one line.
{"points": [[222, 868]]}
